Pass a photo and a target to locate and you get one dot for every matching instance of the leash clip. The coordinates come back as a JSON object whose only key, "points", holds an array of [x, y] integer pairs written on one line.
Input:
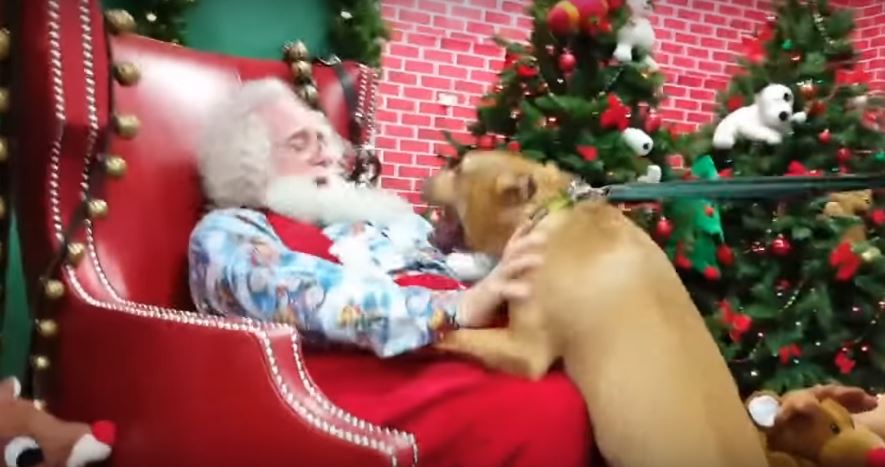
{"points": [[579, 191]]}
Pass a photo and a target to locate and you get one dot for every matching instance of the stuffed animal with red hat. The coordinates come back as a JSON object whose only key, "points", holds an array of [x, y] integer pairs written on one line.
{"points": [[30, 437]]}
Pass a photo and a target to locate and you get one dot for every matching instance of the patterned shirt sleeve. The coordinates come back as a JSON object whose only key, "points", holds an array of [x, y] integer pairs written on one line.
{"points": [[238, 267]]}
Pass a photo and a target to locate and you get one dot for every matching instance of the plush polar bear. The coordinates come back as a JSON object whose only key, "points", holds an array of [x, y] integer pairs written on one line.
{"points": [[637, 32], [767, 120]]}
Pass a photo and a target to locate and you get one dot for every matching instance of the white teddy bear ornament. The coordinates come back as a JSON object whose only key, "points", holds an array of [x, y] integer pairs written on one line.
{"points": [[638, 33], [767, 120]]}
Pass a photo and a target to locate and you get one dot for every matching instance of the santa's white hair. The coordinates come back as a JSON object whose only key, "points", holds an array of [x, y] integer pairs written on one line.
{"points": [[235, 167]]}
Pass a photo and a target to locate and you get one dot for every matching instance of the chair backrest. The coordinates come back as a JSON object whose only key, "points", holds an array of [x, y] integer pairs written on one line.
{"points": [[71, 102]]}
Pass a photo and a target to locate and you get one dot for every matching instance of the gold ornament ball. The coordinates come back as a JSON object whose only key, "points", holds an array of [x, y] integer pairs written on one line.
{"points": [[870, 254], [5, 44], [47, 327], [808, 90], [54, 289]]}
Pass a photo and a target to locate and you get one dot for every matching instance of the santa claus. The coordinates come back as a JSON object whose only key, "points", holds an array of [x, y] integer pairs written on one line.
{"points": [[288, 239]]}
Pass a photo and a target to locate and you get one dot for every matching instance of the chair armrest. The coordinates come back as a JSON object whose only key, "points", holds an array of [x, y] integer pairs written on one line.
{"points": [[188, 390]]}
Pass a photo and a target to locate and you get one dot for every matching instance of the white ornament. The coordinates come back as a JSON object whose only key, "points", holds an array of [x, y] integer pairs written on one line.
{"points": [[638, 140], [763, 410], [637, 33], [652, 174], [767, 120]]}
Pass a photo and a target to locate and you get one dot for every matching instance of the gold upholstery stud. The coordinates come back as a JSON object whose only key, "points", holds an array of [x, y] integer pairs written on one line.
{"points": [[54, 289], [75, 253], [39, 404], [115, 166], [5, 44], [47, 327], [4, 100], [310, 94], [97, 208], [4, 150], [2, 208], [126, 126], [40, 362], [296, 51], [127, 73], [120, 21], [301, 70]]}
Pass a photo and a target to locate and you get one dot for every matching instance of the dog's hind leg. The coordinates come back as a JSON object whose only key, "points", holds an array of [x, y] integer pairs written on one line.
{"points": [[500, 349]]}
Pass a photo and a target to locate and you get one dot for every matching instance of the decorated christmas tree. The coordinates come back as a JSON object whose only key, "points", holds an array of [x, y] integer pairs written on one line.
{"points": [[801, 292], [581, 94]]}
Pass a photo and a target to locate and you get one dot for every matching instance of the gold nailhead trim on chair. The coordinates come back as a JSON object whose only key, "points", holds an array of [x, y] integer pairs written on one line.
{"points": [[126, 126], [115, 166], [120, 21], [127, 73], [54, 289], [296, 51], [40, 362], [39, 404], [301, 71], [97, 208], [4, 150], [4, 100], [75, 253], [2, 208], [47, 327], [310, 94], [5, 44]]}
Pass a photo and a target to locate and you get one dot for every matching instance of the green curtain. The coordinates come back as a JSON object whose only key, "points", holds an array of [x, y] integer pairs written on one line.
{"points": [[251, 29]]}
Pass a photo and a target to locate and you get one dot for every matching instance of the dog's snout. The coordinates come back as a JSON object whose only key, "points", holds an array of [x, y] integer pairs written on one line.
{"points": [[784, 116]]}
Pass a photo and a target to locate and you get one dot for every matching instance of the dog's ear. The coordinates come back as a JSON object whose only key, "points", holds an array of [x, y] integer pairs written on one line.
{"points": [[515, 188]]}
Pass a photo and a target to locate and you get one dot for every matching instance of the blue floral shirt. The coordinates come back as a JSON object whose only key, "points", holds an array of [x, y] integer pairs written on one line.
{"points": [[239, 266]]}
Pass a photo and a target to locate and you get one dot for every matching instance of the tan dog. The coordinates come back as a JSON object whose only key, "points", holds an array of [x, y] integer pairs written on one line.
{"points": [[609, 303]]}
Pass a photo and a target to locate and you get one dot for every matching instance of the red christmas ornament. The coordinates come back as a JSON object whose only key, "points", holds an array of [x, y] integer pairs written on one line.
{"points": [[737, 322], [734, 103], [726, 173], [789, 351], [754, 49], [808, 90], [513, 146], [781, 246], [725, 255], [615, 4], [816, 108], [844, 363], [592, 15], [783, 285], [796, 168], [527, 71], [682, 261], [486, 142], [653, 122], [588, 153], [711, 273], [843, 155], [564, 18], [664, 228], [567, 62], [877, 216], [709, 210], [616, 115], [825, 137], [509, 59]]}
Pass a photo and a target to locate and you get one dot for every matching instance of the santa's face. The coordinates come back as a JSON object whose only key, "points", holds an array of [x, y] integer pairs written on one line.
{"points": [[302, 142]]}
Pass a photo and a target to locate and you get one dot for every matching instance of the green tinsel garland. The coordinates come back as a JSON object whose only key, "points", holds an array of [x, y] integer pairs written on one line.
{"points": [[357, 31]]}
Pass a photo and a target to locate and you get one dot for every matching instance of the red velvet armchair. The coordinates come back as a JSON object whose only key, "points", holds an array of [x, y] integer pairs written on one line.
{"points": [[114, 337], [103, 134]]}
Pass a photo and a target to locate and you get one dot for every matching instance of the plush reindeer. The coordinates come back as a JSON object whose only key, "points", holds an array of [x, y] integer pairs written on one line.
{"points": [[30, 437]]}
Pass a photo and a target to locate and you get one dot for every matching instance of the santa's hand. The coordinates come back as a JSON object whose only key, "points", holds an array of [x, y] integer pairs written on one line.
{"points": [[506, 282]]}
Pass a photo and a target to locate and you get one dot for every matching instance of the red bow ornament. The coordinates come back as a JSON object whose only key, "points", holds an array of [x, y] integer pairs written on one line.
{"points": [[616, 115], [851, 77], [789, 351], [737, 322], [845, 261], [753, 49], [844, 362]]}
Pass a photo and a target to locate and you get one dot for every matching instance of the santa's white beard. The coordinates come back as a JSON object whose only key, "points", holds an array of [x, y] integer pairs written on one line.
{"points": [[335, 201]]}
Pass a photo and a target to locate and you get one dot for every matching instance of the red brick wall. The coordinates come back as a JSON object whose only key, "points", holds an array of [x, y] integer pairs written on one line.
{"points": [[443, 46]]}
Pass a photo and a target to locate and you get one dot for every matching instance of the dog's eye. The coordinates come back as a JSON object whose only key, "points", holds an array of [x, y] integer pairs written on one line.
{"points": [[788, 97], [835, 429], [23, 452]]}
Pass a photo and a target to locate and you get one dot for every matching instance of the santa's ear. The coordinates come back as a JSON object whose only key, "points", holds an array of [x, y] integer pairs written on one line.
{"points": [[10, 388], [763, 408], [515, 188]]}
